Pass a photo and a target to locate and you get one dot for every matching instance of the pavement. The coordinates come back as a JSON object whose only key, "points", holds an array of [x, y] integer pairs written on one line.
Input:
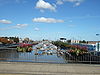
{"points": [[27, 68]]}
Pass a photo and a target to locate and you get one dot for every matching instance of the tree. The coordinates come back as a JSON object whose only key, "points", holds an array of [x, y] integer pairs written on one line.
{"points": [[69, 41], [82, 41], [4, 40], [60, 44], [9, 40], [16, 39], [26, 40]]}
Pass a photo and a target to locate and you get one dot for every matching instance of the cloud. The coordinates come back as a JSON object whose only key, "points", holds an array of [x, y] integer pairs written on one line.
{"points": [[76, 2], [5, 2], [15, 26], [46, 20], [6, 28], [20, 25], [36, 29], [59, 2], [5, 21], [73, 0], [41, 4]]}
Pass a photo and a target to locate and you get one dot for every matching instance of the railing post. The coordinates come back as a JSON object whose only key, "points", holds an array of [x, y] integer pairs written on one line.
{"points": [[90, 57]]}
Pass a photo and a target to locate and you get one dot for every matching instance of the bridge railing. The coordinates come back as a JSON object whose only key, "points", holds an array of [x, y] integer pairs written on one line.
{"points": [[84, 58], [13, 55]]}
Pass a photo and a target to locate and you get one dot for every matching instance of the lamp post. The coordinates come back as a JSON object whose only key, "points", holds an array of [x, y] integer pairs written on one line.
{"points": [[97, 43]]}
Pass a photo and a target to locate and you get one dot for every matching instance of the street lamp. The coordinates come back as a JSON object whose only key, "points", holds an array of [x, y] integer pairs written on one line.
{"points": [[97, 43]]}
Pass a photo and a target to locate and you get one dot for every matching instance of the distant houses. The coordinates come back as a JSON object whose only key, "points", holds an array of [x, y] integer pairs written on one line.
{"points": [[75, 41], [96, 44], [93, 46]]}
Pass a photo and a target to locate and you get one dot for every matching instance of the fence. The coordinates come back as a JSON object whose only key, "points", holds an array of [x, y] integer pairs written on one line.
{"points": [[65, 57], [14, 56], [84, 58]]}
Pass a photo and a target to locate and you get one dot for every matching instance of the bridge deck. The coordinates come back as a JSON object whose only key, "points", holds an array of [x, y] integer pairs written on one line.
{"points": [[48, 69]]}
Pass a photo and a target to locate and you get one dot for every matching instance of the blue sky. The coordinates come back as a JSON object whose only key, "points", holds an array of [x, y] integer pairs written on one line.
{"points": [[50, 19]]}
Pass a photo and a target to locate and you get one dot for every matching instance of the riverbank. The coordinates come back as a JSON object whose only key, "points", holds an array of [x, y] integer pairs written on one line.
{"points": [[24, 68]]}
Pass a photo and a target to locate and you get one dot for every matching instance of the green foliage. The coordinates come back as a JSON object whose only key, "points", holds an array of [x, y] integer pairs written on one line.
{"points": [[60, 44], [69, 41], [83, 41], [16, 39]]}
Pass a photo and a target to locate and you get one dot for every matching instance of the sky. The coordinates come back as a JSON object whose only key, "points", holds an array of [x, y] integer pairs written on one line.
{"points": [[50, 19]]}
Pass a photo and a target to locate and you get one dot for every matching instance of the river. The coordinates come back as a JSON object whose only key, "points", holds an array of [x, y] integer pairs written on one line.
{"points": [[14, 56]]}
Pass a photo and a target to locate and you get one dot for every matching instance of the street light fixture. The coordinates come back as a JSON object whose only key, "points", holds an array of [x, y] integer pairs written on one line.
{"points": [[97, 34]]}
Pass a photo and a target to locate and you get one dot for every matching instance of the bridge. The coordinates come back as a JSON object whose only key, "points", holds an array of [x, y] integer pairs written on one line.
{"points": [[17, 68]]}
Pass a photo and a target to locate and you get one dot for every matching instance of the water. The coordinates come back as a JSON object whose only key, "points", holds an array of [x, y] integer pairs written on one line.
{"points": [[14, 56]]}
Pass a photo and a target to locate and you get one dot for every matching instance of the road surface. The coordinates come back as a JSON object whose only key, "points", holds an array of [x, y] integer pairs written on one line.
{"points": [[25, 68]]}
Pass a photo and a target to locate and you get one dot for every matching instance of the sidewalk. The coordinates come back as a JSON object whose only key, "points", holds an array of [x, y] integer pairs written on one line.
{"points": [[23, 68]]}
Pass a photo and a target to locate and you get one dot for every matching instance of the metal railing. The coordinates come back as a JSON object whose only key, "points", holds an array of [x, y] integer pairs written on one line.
{"points": [[84, 58], [65, 57]]}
